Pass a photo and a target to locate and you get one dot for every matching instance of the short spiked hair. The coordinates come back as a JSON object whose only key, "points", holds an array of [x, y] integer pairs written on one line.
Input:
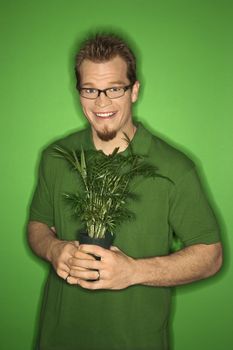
{"points": [[102, 48]]}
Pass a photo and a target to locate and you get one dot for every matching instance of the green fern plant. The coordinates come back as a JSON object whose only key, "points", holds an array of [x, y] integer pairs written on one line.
{"points": [[101, 203]]}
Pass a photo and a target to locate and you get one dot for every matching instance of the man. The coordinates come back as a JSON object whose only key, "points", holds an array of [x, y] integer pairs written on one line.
{"points": [[127, 307]]}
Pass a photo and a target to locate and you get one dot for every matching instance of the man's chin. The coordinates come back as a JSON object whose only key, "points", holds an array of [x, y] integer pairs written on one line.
{"points": [[106, 135]]}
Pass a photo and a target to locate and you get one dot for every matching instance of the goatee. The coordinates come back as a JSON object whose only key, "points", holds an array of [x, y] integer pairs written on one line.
{"points": [[106, 135]]}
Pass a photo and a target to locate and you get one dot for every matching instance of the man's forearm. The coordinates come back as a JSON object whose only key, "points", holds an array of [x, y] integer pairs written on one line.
{"points": [[185, 266], [41, 239]]}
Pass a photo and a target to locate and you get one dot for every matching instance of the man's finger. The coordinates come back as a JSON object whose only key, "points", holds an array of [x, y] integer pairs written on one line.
{"points": [[86, 264], [76, 243], [91, 275], [90, 285], [83, 256], [114, 248], [93, 249], [63, 273], [72, 280]]}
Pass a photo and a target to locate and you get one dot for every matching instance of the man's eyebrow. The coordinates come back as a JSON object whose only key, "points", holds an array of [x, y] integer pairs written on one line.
{"points": [[117, 82], [111, 83], [88, 84]]}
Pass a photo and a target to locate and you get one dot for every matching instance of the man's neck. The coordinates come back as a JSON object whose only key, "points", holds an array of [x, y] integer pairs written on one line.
{"points": [[119, 141]]}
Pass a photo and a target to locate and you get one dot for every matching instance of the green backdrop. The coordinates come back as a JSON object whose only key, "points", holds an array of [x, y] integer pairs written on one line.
{"points": [[185, 61]]}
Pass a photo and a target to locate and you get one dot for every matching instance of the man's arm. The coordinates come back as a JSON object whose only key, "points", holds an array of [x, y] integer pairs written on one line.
{"points": [[118, 271], [45, 244], [188, 265]]}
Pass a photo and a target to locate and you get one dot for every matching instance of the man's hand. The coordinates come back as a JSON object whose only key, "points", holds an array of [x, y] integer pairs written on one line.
{"points": [[60, 254], [115, 270], [44, 243]]}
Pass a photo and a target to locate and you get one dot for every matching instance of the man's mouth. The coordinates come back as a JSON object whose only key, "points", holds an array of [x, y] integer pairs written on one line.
{"points": [[105, 115]]}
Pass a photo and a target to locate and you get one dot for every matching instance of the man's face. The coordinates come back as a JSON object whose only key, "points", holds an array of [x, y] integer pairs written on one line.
{"points": [[107, 116]]}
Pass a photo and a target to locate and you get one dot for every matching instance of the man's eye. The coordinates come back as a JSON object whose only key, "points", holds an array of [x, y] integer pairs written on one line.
{"points": [[114, 89], [90, 91]]}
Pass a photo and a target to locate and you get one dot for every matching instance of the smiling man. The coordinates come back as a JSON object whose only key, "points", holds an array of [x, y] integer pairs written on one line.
{"points": [[127, 307]]}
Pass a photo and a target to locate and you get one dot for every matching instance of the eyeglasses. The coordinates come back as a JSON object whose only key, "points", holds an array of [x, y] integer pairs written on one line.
{"points": [[113, 92]]}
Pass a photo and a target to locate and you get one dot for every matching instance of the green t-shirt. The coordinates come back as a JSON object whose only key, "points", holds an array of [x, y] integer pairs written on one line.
{"points": [[135, 318]]}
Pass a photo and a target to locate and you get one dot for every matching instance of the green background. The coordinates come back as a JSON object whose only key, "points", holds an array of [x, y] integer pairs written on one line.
{"points": [[185, 62]]}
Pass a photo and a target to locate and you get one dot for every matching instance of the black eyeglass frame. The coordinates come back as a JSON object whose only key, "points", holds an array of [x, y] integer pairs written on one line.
{"points": [[125, 88]]}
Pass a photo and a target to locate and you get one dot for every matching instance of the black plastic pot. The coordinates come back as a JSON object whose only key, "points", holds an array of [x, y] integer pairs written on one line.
{"points": [[105, 242]]}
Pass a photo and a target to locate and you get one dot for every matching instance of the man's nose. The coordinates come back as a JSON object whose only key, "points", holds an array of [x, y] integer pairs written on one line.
{"points": [[103, 100]]}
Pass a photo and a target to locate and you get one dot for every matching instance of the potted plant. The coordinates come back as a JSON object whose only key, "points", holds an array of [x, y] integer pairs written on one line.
{"points": [[101, 203]]}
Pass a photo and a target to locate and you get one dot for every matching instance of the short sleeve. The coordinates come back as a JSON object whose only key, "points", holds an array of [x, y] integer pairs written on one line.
{"points": [[41, 208], [191, 217]]}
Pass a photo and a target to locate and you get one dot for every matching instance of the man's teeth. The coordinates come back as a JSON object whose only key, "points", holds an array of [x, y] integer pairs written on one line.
{"points": [[105, 115]]}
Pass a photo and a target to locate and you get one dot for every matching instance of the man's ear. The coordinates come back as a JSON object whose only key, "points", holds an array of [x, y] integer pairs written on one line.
{"points": [[135, 91]]}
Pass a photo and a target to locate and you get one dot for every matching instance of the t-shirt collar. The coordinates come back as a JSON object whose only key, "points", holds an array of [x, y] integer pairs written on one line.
{"points": [[140, 142]]}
